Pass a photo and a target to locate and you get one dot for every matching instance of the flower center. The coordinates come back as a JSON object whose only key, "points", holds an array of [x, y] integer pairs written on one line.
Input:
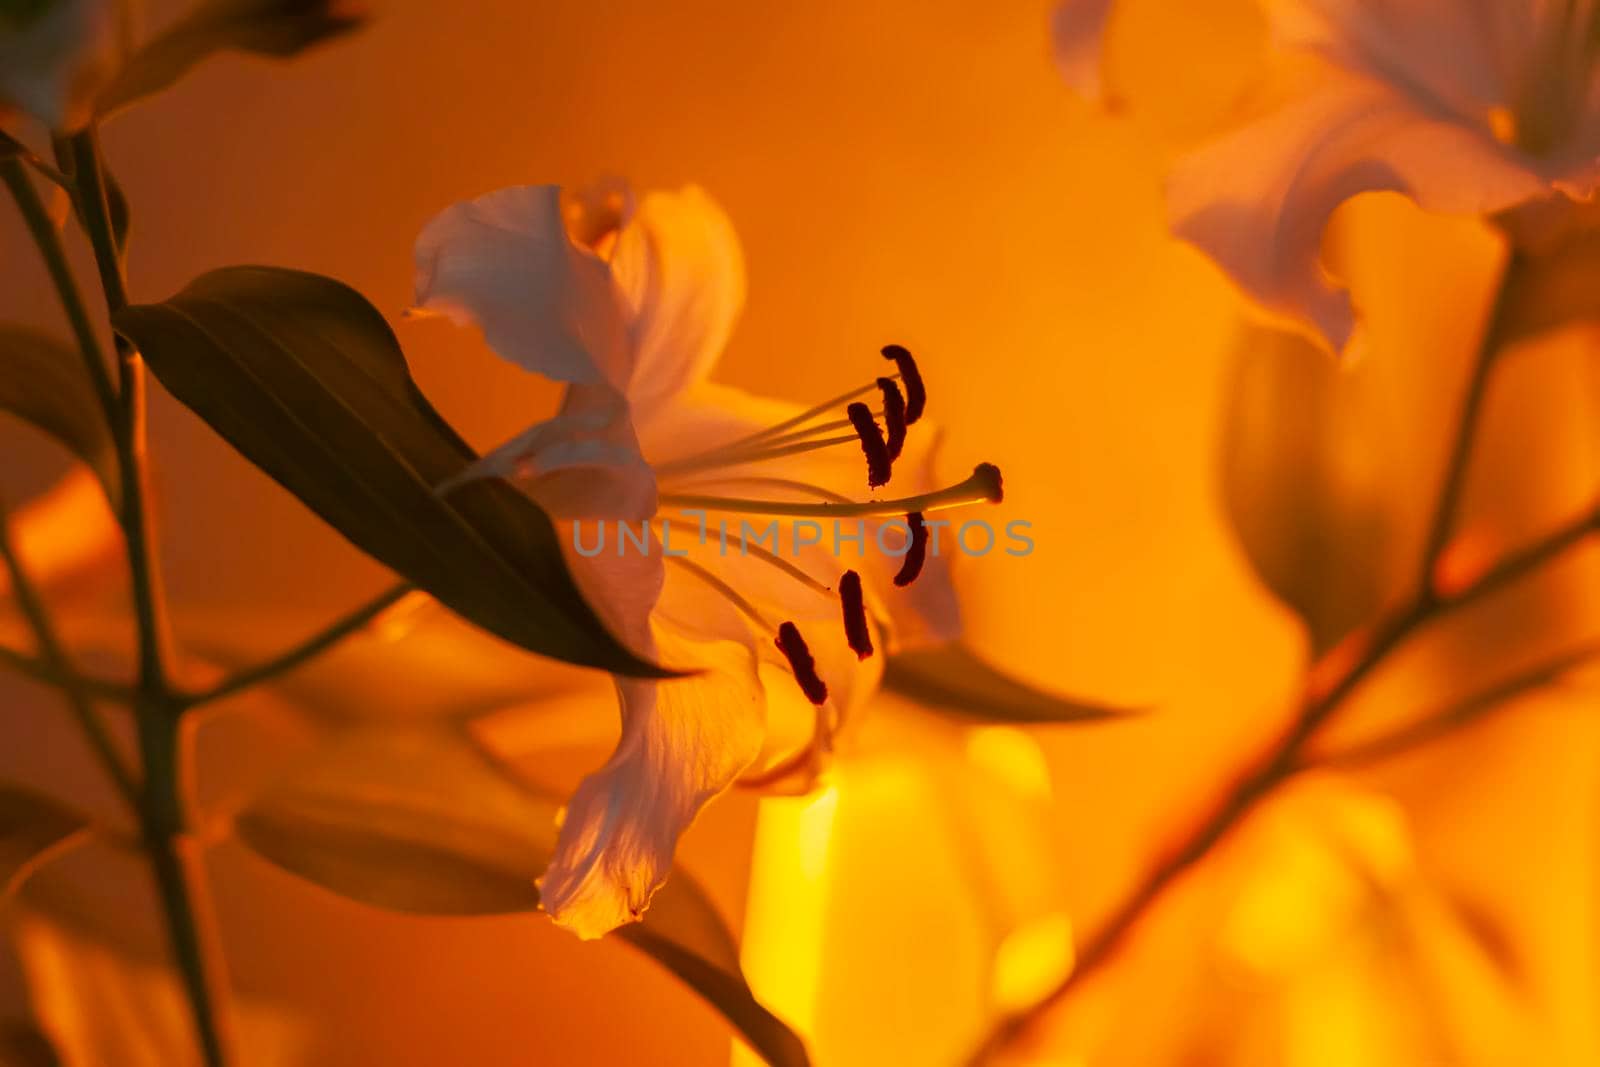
{"points": [[739, 461]]}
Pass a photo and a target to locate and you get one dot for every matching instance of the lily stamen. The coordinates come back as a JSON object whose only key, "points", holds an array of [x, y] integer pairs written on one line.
{"points": [[853, 601], [764, 436], [894, 416], [916, 552], [916, 392], [879, 463], [794, 649], [984, 486], [790, 484], [787, 445]]}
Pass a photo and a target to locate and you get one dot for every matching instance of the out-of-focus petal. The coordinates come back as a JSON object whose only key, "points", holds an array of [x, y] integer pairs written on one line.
{"points": [[680, 270], [504, 262], [1449, 57], [1258, 200], [101, 1006], [1077, 32], [683, 742], [52, 63]]}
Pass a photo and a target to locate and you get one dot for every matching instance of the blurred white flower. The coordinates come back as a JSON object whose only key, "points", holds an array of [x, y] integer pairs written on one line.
{"points": [[55, 56], [1468, 107]]}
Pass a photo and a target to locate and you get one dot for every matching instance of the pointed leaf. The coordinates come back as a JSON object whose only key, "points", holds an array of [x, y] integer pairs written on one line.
{"points": [[305, 378], [1302, 481], [279, 28], [32, 826], [417, 820], [953, 678], [43, 382]]}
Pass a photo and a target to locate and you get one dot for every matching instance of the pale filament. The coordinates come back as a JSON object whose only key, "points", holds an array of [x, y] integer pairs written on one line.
{"points": [[715, 456], [746, 608], [772, 559], [982, 487]]}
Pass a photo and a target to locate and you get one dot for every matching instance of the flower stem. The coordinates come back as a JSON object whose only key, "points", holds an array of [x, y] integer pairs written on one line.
{"points": [[306, 650], [129, 427], [174, 854], [43, 231], [1460, 714], [178, 867]]}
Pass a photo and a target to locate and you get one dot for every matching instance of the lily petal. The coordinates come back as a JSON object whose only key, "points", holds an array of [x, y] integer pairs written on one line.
{"points": [[504, 262], [683, 742], [1077, 31], [584, 463], [1258, 201], [1449, 57], [680, 270]]}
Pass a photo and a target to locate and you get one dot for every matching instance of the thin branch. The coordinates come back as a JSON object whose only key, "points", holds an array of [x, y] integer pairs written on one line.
{"points": [[1459, 715], [1448, 507], [54, 659], [44, 234], [40, 670], [301, 653], [82, 150]]}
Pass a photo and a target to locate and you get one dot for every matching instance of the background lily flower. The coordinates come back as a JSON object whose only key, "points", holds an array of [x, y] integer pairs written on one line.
{"points": [[1467, 109], [632, 309], [55, 56]]}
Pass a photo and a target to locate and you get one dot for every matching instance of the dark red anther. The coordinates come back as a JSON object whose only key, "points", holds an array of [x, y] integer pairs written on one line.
{"points": [[794, 649], [911, 378], [917, 554], [894, 416], [872, 443], [855, 615]]}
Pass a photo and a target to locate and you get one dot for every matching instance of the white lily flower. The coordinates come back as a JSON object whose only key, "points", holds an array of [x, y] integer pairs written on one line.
{"points": [[55, 55], [1468, 107], [632, 308]]}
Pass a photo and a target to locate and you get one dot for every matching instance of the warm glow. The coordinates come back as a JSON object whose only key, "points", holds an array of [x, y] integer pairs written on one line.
{"points": [[1012, 757], [785, 922], [1031, 961]]}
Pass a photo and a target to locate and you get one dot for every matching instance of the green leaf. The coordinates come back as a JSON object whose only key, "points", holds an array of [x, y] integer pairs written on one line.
{"points": [[954, 679], [32, 826], [417, 820], [279, 28], [304, 377], [43, 382], [1304, 482]]}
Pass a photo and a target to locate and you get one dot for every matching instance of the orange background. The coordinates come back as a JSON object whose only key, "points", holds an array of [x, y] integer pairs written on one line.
{"points": [[898, 171]]}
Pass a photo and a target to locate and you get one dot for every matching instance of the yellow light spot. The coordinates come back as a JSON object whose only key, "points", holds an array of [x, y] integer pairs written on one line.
{"points": [[1033, 959], [783, 941], [65, 531], [397, 621], [1013, 757]]}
